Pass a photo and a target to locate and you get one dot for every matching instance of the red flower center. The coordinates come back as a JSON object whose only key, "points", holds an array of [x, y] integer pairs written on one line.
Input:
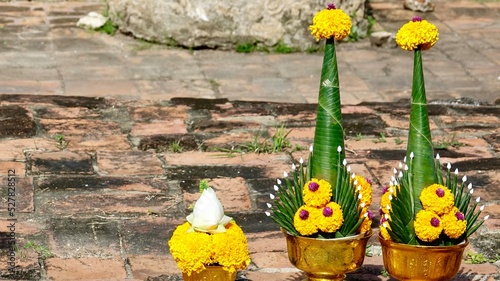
{"points": [[416, 18], [330, 6], [327, 212], [303, 214], [459, 216], [313, 186], [435, 222], [440, 192]]}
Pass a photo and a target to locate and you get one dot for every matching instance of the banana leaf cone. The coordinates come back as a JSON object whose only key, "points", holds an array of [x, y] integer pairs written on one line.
{"points": [[329, 133], [420, 149]]}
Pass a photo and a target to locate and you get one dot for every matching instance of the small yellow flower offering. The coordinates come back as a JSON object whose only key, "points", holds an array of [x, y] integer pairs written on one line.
{"points": [[417, 34], [331, 22]]}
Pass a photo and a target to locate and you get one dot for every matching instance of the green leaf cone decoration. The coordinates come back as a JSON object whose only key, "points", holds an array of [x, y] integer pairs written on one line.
{"points": [[419, 138], [329, 134]]}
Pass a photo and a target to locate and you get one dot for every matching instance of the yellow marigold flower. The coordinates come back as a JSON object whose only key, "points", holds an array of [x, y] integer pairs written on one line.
{"points": [[305, 220], [192, 251], [366, 225], [417, 33], [428, 226], [330, 218], [317, 193], [454, 223], [365, 190], [383, 231], [331, 22], [437, 198], [230, 248], [385, 202]]}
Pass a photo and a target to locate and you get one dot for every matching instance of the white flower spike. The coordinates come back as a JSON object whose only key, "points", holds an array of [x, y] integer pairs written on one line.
{"points": [[285, 174]]}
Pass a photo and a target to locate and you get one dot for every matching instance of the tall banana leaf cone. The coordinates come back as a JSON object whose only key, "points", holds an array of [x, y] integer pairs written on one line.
{"points": [[324, 199], [421, 207]]}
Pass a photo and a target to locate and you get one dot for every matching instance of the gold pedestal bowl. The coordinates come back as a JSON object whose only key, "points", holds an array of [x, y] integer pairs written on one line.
{"points": [[327, 259], [211, 273]]}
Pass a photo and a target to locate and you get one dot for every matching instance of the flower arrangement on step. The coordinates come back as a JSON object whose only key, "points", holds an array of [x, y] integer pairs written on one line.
{"points": [[323, 199], [209, 238], [424, 206]]}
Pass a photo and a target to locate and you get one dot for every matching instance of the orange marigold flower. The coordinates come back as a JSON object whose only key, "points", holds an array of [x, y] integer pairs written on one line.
{"points": [[317, 193], [305, 220], [437, 198], [417, 33], [330, 218], [330, 23], [454, 223], [428, 226]]}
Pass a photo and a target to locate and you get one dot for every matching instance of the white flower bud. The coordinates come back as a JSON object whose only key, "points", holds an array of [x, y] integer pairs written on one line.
{"points": [[353, 175], [464, 179], [481, 208], [404, 159], [360, 196], [339, 149], [390, 197], [349, 168], [400, 174], [456, 171], [285, 174], [438, 157], [393, 179], [208, 213], [471, 191], [363, 204], [355, 183], [406, 168], [268, 205], [267, 213], [301, 161], [412, 155], [293, 167], [478, 199], [486, 217], [469, 186], [276, 188], [344, 162], [400, 165], [272, 196], [448, 166], [395, 171], [311, 148], [278, 181]]}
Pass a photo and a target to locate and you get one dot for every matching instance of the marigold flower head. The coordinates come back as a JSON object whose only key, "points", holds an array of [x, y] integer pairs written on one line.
{"points": [[305, 220], [230, 248], [319, 195], [331, 218], [384, 232], [194, 250], [416, 34], [366, 190], [385, 201], [428, 226], [331, 22], [366, 225], [437, 198], [454, 224]]}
